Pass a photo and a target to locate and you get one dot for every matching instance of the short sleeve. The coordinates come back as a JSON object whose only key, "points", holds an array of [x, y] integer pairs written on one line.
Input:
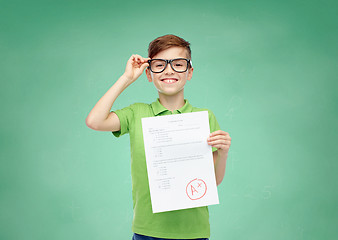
{"points": [[126, 116], [214, 126]]}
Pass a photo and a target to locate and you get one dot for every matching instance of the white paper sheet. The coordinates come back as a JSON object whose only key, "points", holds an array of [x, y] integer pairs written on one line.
{"points": [[179, 161]]}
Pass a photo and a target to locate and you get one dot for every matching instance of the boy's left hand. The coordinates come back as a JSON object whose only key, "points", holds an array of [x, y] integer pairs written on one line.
{"points": [[220, 140]]}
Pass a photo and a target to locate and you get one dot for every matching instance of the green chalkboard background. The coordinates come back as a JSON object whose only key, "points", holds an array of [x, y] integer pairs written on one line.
{"points": [[267, 69]]}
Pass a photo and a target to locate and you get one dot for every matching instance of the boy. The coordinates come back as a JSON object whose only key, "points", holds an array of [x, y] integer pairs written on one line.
{"points": [[169, 67]]}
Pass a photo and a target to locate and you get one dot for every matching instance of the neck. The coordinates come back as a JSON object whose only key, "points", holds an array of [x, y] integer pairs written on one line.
{"points": [[172, 103]]}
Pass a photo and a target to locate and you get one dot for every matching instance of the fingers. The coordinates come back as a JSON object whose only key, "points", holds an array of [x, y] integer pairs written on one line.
{"points": [[219, 135], [137, 59], [138, 62], [135, 66], [219, 132], [219, 139], [220, 144]]}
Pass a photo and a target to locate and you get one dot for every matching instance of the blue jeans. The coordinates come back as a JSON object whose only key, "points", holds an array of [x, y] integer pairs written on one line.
{"points": [[141, 237]]}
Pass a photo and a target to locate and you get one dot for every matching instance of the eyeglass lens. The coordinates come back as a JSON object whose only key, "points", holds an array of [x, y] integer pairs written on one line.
{"points": [[178, 65]]}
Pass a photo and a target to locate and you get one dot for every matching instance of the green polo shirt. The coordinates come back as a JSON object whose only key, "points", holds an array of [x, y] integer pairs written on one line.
{"points": [[179, 224]]}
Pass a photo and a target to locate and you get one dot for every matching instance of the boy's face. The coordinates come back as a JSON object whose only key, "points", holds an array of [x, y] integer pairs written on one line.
{"points": [[169, 82]]}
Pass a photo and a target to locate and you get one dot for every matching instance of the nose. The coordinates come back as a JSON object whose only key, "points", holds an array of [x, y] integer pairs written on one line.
{"points": [[168, 69]]}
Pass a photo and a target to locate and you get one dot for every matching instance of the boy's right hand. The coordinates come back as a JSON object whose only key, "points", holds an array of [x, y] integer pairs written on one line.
{"points": [[135, 67]]}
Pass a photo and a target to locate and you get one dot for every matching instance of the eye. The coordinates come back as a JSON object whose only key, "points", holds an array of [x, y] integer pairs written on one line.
{"points": [[158, 64]]}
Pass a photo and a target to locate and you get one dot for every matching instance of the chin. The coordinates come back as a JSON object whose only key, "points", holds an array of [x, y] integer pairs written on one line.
{"points": [[169, 93]]}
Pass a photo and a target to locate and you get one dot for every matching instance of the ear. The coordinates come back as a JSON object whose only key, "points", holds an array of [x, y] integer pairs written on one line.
{"points": [[148, 75], [190, 71]]}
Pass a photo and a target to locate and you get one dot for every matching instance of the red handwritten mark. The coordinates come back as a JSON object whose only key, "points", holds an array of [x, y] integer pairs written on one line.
{"points": [[196, 189]]}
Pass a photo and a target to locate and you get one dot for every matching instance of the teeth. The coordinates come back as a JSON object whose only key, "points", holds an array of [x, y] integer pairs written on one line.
{"points": [[169, 81]]}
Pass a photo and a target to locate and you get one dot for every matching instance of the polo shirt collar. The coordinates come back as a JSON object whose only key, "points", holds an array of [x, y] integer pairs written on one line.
{"points": [[158, 108]]}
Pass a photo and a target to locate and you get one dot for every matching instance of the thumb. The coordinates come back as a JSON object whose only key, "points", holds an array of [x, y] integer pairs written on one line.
{"points": [[144, 65]]}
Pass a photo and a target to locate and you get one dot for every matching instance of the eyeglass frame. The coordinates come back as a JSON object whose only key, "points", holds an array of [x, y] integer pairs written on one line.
{"points": [[170, 62]]}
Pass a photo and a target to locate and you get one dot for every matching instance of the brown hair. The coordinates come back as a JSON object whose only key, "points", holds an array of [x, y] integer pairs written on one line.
{"points": [[165, 42]]}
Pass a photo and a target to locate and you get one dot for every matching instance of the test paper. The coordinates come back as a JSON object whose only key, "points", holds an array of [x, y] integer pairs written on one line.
{"points": [[179, 161]]}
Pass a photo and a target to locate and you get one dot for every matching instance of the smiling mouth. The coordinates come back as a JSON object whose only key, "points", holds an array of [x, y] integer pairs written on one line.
{"points": [[169, 80]]}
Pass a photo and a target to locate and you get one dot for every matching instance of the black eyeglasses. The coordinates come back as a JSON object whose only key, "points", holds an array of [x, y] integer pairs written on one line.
{"points": [[178, 64]]}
